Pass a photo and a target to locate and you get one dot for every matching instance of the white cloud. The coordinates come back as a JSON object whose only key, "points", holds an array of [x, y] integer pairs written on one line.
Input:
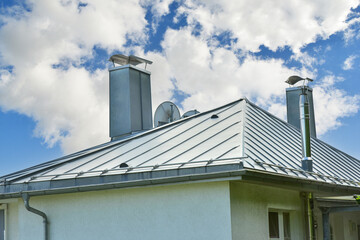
{"points": [[161, 86], [349, 62], [352, 33], [271, 23], [5, 78], [66, 105], [158, 7], [215, 76], [69, 104], [332, 104]]}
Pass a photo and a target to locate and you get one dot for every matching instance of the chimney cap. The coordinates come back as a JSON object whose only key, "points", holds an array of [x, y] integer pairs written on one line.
{"points": [[124, 60], [294, 79]]}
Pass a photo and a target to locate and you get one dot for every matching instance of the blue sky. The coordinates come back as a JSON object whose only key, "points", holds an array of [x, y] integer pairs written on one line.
{"points": [[54, 79]]}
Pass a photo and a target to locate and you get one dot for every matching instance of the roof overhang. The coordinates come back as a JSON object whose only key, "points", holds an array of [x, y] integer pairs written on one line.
{"points": [[335, 204], [234, 170]]}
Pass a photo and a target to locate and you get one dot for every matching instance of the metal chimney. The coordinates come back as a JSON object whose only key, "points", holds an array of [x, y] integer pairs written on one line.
{"points": [[293, 109], [304, 121], [130, 96], [306, 162]]}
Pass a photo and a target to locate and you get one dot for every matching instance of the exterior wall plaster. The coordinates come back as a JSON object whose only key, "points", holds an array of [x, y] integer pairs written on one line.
{"points": [[344, 225], [249, 210], [186, 211]]}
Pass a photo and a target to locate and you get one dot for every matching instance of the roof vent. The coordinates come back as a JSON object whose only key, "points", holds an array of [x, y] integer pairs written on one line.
{"points": [[214, 116], [190, 113], [123, 165]]}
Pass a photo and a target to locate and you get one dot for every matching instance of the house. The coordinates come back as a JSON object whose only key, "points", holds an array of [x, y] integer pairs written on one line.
{"points": [[234, 172]]}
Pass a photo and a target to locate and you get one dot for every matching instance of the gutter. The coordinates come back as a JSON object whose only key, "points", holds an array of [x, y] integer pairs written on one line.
{"points": [[26, 198], [228, 172], [113, 182]]}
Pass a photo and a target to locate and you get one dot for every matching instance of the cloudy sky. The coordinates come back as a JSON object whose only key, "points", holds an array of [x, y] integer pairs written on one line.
{"points": [[54, 77]]}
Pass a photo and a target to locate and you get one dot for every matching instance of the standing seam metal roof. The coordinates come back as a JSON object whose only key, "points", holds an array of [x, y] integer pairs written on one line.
{"points": [[242, 134]]}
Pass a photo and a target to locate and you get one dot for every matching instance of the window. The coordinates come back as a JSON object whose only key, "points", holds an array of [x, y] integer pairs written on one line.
{"points": [[286, 224], [274, 225], [279, 225], [2, 221]]}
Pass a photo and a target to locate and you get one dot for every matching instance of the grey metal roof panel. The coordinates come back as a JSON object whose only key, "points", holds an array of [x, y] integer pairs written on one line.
{"points": [[241, 134], [193, 139], [273, 141]]}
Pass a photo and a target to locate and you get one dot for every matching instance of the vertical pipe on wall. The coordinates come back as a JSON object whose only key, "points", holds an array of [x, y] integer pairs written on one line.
{"points": [[326, 223], [26, 199], [309, 216]]}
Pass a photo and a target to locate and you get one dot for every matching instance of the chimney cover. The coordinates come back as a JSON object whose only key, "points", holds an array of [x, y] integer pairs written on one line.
{"points": [[124, 60], [292, 80]]}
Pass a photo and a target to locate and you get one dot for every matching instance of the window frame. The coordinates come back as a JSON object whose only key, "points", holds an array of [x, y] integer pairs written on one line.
{"points": [[3, 206], [280, 213]]}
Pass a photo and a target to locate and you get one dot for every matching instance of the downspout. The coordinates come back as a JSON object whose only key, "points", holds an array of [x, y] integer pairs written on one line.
{"points": [[309, 216], [26, 199]]}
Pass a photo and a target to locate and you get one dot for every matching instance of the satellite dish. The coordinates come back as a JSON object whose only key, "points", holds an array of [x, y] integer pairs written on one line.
{"points": [[190, 113], [165, 113]]}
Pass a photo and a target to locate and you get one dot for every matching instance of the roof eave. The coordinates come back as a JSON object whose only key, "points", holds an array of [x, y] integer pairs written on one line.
{"points": [[229, 172]]}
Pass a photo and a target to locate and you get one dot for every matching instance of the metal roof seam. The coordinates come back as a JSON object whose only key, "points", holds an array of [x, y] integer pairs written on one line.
{"points": [[334, 158], [269, 144], [316, 145], [194, 146], [170, 129], [274, 123], [206, 119], [38, 168], [260, 150], [217, 122], [329, 155], [272, 133], [228, 151]]}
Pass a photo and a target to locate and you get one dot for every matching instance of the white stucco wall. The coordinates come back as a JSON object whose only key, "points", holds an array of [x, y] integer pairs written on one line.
{"points": [[351, 220], [11, 218], [187, 211], [343, 225], [249, 210]]}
